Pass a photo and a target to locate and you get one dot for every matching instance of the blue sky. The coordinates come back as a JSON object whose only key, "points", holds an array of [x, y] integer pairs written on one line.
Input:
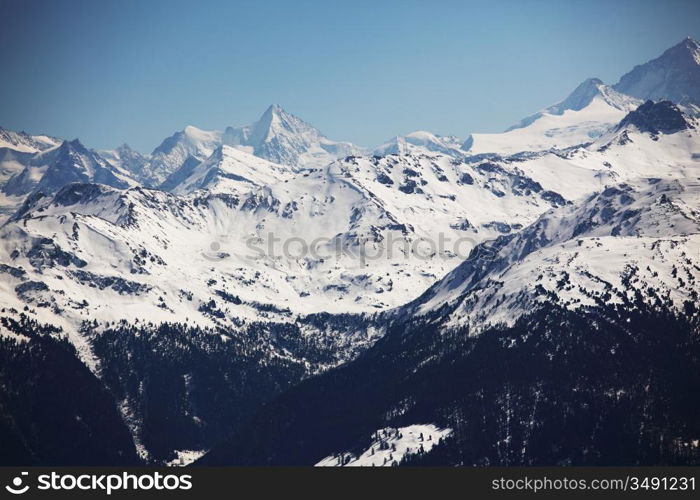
{"points": [[109, 72]]}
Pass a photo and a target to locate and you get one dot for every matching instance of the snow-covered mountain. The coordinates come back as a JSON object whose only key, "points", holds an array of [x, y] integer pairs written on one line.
{"points": [[588, 112], [190, 145], [421, 141], [277, 136], [25, 143], [384, 228], [17, 150], [128, 160], [376, 226], [674, 75], [228, 170], [281, 137], [49, 170], [583, 319], [638, 236], [71, 162]]}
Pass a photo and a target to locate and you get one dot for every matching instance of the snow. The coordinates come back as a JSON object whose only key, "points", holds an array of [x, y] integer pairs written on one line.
{"points": [[549, 131], [283, 138], [574, 207], [223, 226], [214, 233], [176, 149], [25, 143], [229, 170], [390, 446], [185, 457], [644, 239], [7, 334], [421, 142]]}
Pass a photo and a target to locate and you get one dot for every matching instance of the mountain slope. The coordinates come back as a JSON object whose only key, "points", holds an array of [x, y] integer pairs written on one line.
{"points": [[589, 111], [421, 142], [176, 150], [128, 160], [53, 410], [227, 170], [25, 143], [602, 386], [572, 342], [71, 162]]}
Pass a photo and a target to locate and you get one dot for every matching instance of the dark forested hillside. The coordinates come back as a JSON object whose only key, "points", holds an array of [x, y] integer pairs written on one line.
{"points": [[610, 385], [187, 388], [53, 410], [164, 388]]}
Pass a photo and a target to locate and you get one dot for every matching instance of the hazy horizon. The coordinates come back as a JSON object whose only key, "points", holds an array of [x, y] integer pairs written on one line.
{"points": [[109, 73]]}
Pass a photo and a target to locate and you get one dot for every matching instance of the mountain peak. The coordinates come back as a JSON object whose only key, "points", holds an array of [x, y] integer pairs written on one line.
{"points": [[404, 144], [74, 145], [275, 120], [192, 130], [583, 95], [24, 142], [283, 138], [686, 51], [275, 109], [674, 75]]}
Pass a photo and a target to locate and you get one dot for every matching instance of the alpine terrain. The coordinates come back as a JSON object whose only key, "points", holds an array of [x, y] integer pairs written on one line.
{"points": [[266, 295]]}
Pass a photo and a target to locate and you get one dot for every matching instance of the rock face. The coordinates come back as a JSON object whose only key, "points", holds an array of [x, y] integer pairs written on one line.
{"points": [[660, 117], [675, 75]]}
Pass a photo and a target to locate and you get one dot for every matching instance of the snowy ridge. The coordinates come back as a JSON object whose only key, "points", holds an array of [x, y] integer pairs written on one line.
{"points": [[25, 143], [618, 243], [229, 170], [588, 112], [300, 252], [674, 75], [421, 142], [150, 243], [580, 98], [47, 172], [127, 160], [167, 256]]}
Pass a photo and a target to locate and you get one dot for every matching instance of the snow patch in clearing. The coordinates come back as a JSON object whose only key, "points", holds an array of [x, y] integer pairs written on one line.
{"points": [[185, 457], [390, 446]]}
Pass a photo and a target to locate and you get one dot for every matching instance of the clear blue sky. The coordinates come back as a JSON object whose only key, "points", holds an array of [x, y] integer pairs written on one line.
{"points": [[109, 72]]}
